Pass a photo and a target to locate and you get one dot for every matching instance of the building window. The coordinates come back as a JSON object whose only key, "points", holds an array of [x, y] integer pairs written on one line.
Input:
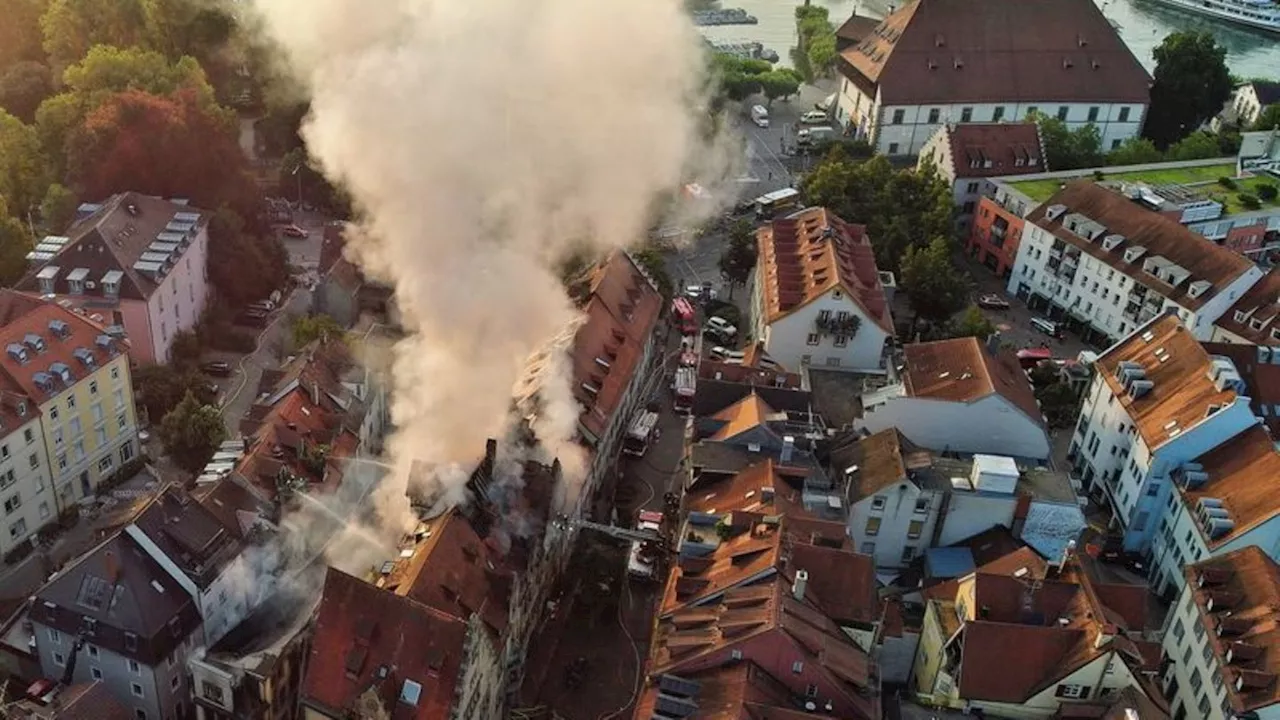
{"points": [[1124, 114], [137, 689], [1093, 113], [893, 148], [59, 660], [868, 548], [915, 529], [1062, 112], [174, 682], [93, 650], [12, 504], [877, 502], [126, 452], [93, 387], [115, 373], [1179, 630], [134, 667], [53, 413], [998, 114], [71, 402], [842, 341], [62, 461], [29, 436], [908, 553], [873, 526], [1197, 681], [733, 655], [10, 477], [55, 637], [1073, 691], [922, 505], [104, 465], [811, 691], [33, 461], [898, 116], [1032, 110], [966, 114], [1198, 627], [1115, 144], [130, 642], [797, 667], [934, 116], [213, 693], [812, 339], [95, 673]]}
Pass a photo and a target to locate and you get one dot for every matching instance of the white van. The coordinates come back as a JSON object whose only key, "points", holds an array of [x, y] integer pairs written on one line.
{"points": [[811, 135], [1048, 327], [760, 115]]}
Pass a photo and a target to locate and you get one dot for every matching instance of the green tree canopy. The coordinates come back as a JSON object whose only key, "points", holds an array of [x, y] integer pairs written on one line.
{"points": [[1135, 151], [781, 83], [242, 266], [1067, 149], [191, 432], [15, 243], [935, 287], [161, 387], [1191, 83], [817, 40], [23, 170], [23, 87], [739, 256], [1196, 146], [58, 209], [317, 326], [973, 323], [106, 70], [1269, 118]]}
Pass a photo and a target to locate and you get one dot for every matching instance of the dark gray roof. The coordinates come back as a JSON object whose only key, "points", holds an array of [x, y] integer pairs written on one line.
{"points": [[1268, 92], [189, 535], [712, 396], [120, 590]]}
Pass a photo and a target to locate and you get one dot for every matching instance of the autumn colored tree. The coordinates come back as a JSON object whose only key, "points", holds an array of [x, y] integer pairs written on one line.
{"points": [[71, 27], [20, 31], [23, 87], [168, 146]]}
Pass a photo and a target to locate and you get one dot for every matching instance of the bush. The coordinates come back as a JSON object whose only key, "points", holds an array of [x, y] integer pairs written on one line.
{"points": [[1227, 183], [19, 552], [1267, 191], [1249, 201], [1099, 175], [728, 311]]}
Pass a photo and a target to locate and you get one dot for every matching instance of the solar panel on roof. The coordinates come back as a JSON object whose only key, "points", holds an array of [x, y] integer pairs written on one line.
{"points": [[47, 248], [675, 706], [191, 217], [179, 226], [154, 257], [55, 239], [162, 247], [678, 686], [145, 266], [171, 237], [39, 256]]}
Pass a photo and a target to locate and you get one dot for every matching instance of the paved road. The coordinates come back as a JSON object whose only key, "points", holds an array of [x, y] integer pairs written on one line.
{"points": [[1014, 324]]}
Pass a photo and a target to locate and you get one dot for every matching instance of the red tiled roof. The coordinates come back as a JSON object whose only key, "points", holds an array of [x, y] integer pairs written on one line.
{"points": [[295, 425], [1259, 305], [621, 311], [1242, 474], [945, 52], [1261, 378], [963, 370], [28, 319], [1043, 655], [1008, 147], [362, 632], [741, 691], [452, 573], [807, 254], [83, 701], [1245, 588]]}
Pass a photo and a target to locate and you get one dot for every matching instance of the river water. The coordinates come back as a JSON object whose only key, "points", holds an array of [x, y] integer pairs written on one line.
{"points": [[1142, 23]]}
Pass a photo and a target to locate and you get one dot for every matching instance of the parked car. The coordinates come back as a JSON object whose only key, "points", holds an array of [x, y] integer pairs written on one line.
{"points": [[216, 368], [293, 231], [814, 117], [1048, 327], [698, 292], [992, 301], [265, 306], [721, 327], [725, 355]]}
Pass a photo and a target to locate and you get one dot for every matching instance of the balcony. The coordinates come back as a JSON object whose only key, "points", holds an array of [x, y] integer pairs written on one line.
{"points": [[1053, 264], [1071, 259]]}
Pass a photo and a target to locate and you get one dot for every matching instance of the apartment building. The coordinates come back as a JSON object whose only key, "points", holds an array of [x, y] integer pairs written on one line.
{"points": [[818, 298], [961, 396], [929, 63], [75, 379], [1259, 368], [998, 223], [965, 155], [903, 499], [116, 616], [26, 479], [768, 590], [86, 701], [1223, 500], [1030, 639], [1105, 265], [1254, 319], [1251, 98], [1156, 402], [1222, 639], [134, 263]]}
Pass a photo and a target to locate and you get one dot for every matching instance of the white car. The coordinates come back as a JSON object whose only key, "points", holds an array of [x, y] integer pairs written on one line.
{"points": [[695, 292], [721, 326], [814, 117], [725, 355]]}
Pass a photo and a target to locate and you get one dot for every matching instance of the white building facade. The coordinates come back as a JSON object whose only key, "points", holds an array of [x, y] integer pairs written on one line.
{"points": [[810, 336]]}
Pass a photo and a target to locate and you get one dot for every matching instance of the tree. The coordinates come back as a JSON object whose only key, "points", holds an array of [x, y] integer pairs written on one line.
{"points": [[1135, 151], [106, 70], [191, 432], [817, 41], [1067, 149], [243, 267], [821, 53], [23, 87], [184, 350], [71, 27], [161, 387], [1269, 118], [166, 146], [15, 243], [935, 288], [58, 209], [1058, 403], [739, 256], [317, 326], [1191, 83], [973, 323], [23, 174], [1196, 146], [780, 84]]}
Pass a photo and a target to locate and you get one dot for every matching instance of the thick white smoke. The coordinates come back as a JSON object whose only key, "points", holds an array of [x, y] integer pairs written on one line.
{"points": [[482, 140]]}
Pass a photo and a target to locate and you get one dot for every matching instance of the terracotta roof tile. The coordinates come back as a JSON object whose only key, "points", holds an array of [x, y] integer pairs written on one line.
{"points": [[1259, 309], [1248, 623], [746, 491], [1244, 473], [1261, 377], [83, 701], [1182, 390], [1044, 654], [29, 322], [811, 252], [963, 370], [953, 51], [748, 413], [1010, 149], [878, 459], [740, 691], [1157, 234], [362, 632]]}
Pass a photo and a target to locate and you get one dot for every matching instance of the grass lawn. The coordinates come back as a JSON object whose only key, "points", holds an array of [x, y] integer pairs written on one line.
{"points": [[1041, 190]]}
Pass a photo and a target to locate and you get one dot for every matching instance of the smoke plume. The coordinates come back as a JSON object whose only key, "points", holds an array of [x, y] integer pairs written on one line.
{"points": [[482, 140]]}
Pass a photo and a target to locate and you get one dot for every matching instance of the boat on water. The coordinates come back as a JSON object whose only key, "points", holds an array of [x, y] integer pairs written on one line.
{"points": [[1257, 14], [746, 50], [727, 16]]}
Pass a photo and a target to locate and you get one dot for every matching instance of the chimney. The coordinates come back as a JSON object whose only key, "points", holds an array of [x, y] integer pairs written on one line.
{"points": [[993, 344], [247, 443], [797, 588], [113, 567], [788, 449], [490, 452], [315, 393]]}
